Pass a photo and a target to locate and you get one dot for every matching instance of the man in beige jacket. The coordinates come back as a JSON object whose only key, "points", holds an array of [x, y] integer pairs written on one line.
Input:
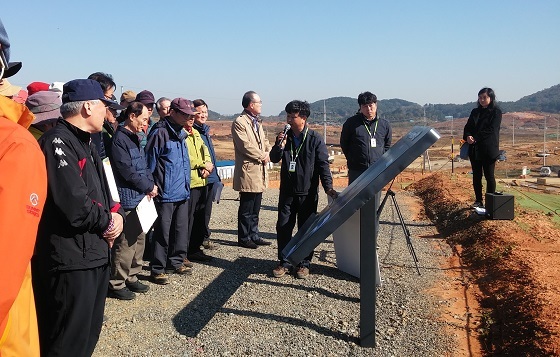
{"points": [[250, 175]]}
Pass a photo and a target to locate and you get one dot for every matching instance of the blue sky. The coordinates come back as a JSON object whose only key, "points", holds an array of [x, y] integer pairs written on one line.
{"points": [[421, 51]]}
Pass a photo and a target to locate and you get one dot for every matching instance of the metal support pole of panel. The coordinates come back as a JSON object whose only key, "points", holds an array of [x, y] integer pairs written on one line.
{"points": [[368, 272]]}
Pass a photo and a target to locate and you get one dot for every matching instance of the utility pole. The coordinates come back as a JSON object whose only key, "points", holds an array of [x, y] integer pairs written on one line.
{"points": [[452, 150], [513, 134], [324, 112], [544, 144], [325, 121]]}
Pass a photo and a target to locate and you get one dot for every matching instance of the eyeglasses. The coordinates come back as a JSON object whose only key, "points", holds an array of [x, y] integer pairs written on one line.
{"points": [[259, 102]]}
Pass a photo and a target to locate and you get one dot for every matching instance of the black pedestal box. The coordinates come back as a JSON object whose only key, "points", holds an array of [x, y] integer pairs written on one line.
{"points": [[499, 206]]}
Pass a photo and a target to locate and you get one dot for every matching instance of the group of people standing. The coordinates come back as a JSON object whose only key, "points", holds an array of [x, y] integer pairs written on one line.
{"points": [[72, 244]]}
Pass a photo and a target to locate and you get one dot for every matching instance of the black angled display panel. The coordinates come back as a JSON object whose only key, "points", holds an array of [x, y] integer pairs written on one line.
{"points": [[357, 194]]}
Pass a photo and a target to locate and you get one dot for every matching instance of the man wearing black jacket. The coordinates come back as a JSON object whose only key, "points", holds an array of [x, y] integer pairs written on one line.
{"points": [[79, 224], [304, 162], [364, 137], [134, 182]]}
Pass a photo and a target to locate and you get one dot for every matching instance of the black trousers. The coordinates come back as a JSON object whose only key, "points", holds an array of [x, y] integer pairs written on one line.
{"points": [[248, 216], [487, 167], [197, 228], [290, 208], [70, 308], [210, 194], [171, 238]]}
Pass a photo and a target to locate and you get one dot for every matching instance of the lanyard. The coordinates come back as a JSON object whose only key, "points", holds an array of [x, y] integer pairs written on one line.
{"points": [[374, 130], [299, 147]]}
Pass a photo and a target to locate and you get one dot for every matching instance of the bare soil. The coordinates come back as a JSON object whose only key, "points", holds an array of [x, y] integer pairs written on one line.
{"points": [[506, 297], [514, 265]]}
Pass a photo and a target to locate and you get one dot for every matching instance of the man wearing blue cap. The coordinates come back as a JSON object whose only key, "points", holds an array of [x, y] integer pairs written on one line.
{"points": [[77, 229]]}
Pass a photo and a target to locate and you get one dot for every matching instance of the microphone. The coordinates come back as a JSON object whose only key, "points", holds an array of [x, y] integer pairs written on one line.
{"points": [[286, 128]]}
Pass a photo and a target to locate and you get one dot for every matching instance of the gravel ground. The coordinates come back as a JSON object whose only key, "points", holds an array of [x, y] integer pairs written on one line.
{"points": [[233, 306]]}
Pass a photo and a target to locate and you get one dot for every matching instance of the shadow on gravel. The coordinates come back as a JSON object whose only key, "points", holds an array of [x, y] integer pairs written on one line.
{"points": [[232, 232], [284, 283], [294, 321], [269, 208], [198, 313]]}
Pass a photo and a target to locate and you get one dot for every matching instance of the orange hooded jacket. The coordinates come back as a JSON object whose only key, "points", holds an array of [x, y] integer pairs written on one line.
{"points": [[23, 190]]}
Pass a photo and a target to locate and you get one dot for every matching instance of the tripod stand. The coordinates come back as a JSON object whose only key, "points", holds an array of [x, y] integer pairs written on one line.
{"points": [[403, 225]]}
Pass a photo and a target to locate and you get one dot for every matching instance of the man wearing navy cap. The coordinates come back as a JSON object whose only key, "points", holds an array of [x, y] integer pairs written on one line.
{"points": [[78, 227]]}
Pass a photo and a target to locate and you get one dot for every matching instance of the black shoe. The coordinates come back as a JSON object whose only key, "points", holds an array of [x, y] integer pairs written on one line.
{"points": [[478, 204], [138, 287], [261, 241], [247, 244], [121, 294], [200, 256]]}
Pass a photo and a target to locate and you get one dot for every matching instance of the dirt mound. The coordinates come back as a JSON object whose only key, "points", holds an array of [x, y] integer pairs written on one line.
{"points": [[514, 263]]}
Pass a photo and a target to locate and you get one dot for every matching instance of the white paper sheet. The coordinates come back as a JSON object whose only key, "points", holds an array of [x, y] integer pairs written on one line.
{"points": [[147, 213], [111, 180]]}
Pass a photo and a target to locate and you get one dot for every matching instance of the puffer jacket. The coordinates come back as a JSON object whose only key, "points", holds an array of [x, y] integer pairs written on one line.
{"points": [[130, 168], [204, 131], [199, 155], [168, 160]]}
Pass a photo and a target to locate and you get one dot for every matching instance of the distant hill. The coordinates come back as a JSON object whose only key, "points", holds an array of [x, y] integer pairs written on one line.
{"points": [[399, 110], [547, 100]]}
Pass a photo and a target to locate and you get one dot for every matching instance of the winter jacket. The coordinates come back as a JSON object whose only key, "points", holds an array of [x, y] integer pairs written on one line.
{"points": [[130, 168], [251, 147], [355, 141], [78, 207], [204, 131], [198, 155], [484, 126], [168, 160], [23, 190], [311, 164]]}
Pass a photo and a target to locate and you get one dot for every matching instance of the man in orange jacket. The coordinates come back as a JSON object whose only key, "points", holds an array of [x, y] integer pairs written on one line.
{"points": [[23, 189]]}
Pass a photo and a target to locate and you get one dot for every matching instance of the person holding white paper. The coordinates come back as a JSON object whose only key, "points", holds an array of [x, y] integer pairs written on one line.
{"points": [[134, 182]]}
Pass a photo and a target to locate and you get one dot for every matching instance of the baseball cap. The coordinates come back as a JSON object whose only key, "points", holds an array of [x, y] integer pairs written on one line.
{"points": [[146, 97], [9, 68], [83, 89], [13, 68], [128, 96], [183, 105]]}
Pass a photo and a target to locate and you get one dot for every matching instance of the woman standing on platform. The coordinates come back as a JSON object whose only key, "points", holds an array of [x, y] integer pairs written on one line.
{"points": [[482, 133]]}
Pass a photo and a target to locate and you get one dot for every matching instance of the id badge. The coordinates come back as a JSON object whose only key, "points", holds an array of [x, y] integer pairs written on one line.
{"points": [[292, 167], [373, 143]]}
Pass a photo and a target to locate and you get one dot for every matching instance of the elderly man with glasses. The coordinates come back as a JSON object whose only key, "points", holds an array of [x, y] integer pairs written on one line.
{"points": [[250, 176]]}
